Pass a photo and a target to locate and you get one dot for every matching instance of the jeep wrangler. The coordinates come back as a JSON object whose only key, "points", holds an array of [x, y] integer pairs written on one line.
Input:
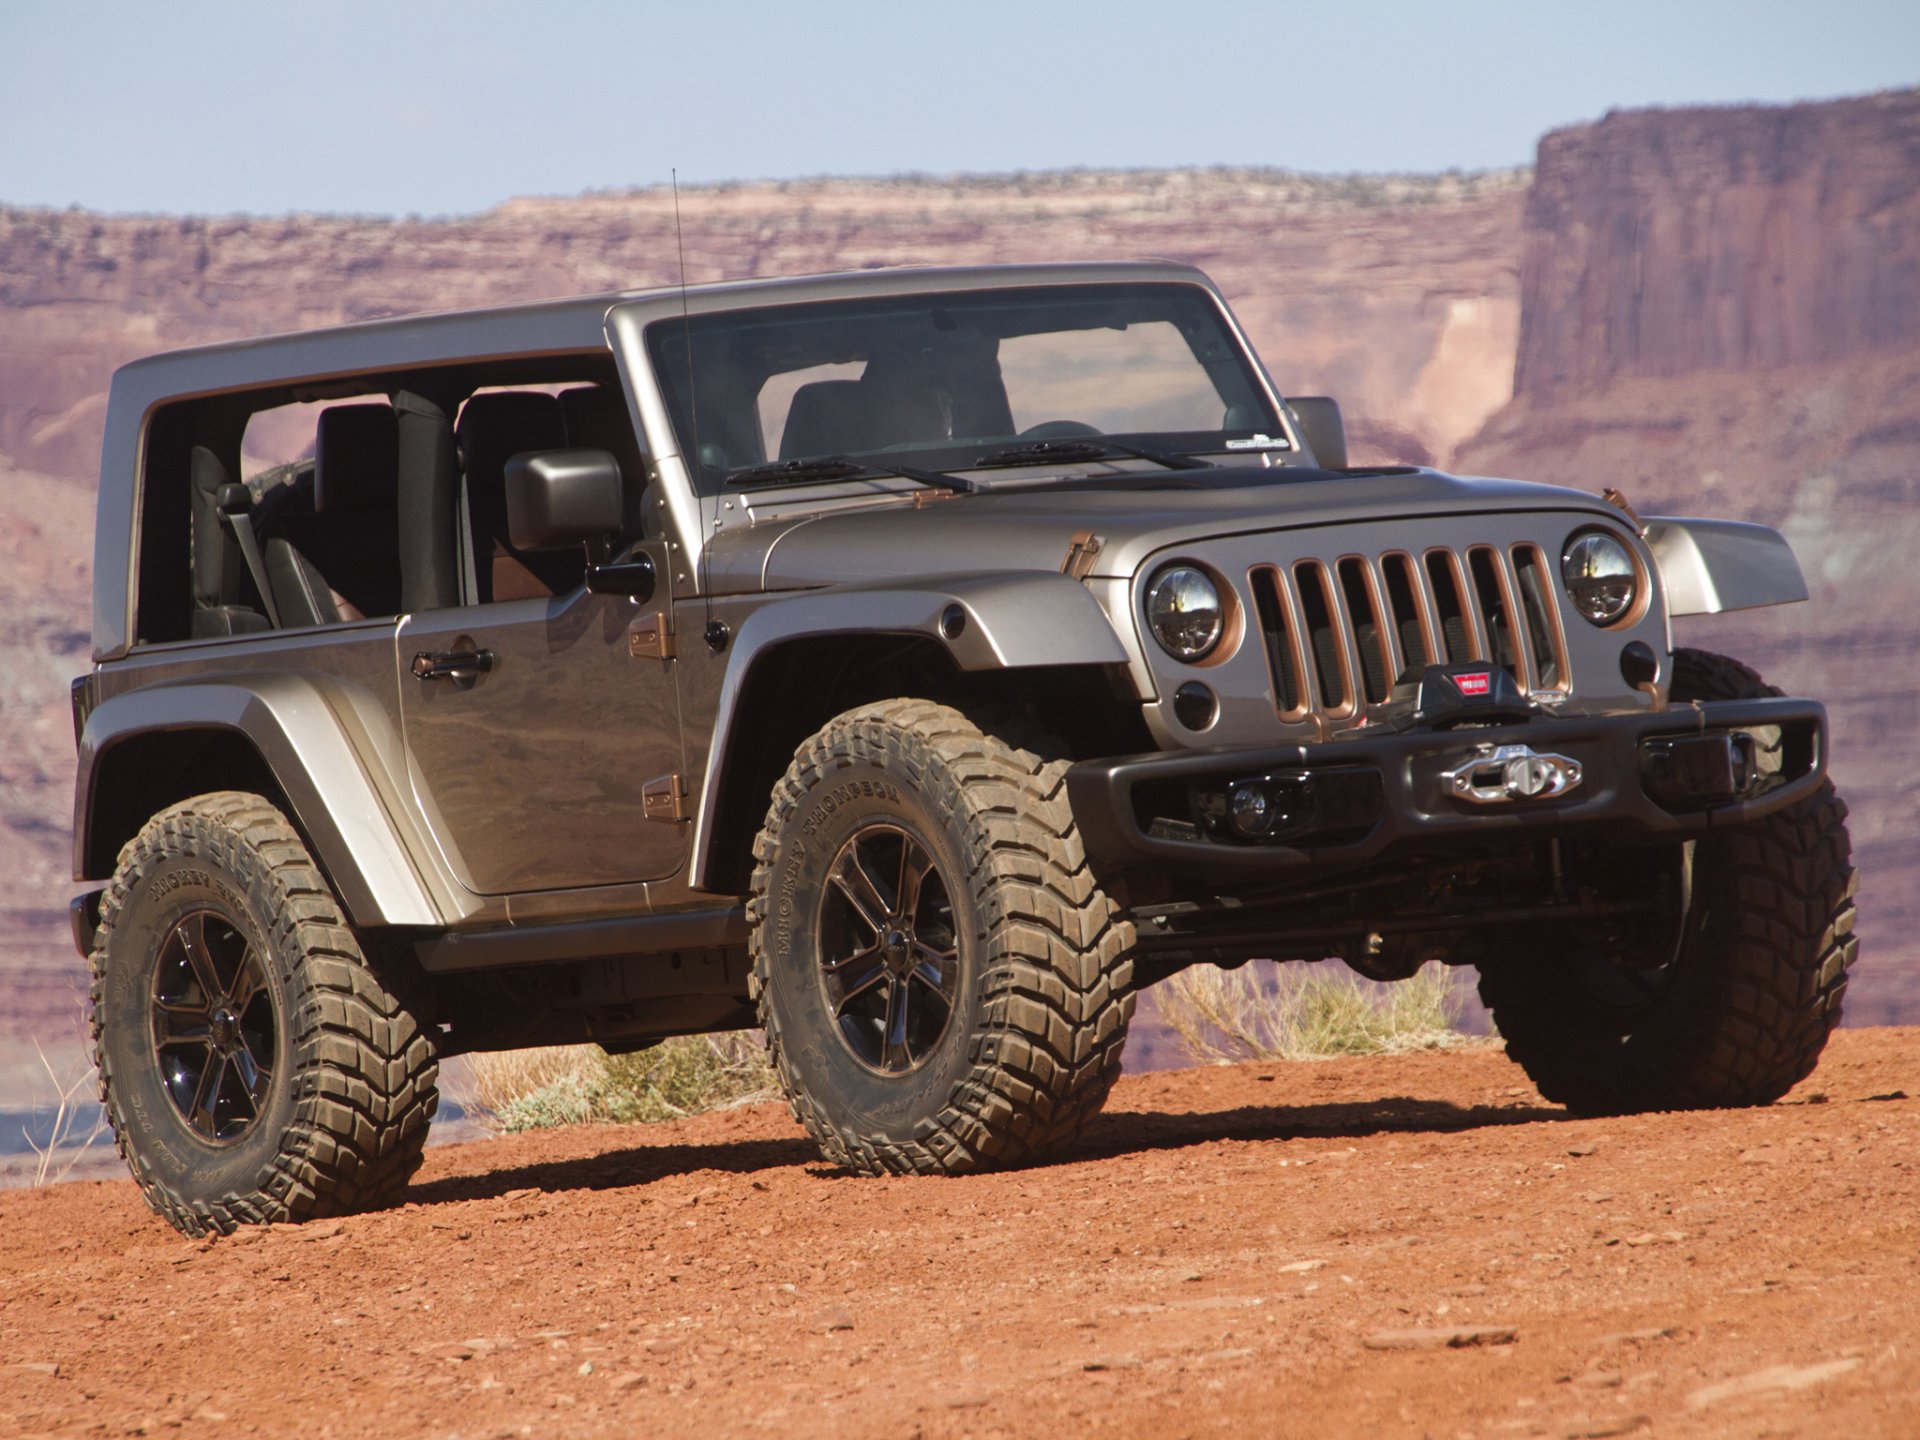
{"points": [[912, 664]]}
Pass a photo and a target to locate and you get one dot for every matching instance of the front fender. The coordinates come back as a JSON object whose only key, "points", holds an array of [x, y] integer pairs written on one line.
{"points": [[1004, 622], [1709, 566], [295, 731]]}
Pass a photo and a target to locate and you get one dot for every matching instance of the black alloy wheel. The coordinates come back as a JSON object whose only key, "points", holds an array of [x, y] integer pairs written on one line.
{"points": [[215, 1033], [889, 957]]}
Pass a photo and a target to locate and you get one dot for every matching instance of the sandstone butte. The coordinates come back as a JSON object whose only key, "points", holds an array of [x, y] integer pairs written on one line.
{"points": [[1716, 310]]}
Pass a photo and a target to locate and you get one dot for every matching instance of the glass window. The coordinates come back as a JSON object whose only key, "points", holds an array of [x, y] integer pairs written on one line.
{"points": [[938, 380]]}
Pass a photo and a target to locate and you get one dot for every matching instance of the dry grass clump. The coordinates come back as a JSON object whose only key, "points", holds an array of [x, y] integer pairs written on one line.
{"points": [[1264, 1011], [582, 1084]]}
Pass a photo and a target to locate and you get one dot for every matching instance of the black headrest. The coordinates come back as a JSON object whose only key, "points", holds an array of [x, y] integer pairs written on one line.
{"points": [[825, 417], [356, 460], [495, 427]]}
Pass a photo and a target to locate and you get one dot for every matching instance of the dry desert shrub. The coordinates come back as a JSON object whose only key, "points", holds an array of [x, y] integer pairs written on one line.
{"points": [[1264, 1011], [582, 1084]]}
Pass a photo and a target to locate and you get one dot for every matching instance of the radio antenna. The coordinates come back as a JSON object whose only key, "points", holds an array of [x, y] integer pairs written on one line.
{"points": [[715, 633]]}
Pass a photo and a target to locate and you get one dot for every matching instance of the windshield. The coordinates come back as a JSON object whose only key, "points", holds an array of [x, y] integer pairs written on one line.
{"points": [[941, 381]]}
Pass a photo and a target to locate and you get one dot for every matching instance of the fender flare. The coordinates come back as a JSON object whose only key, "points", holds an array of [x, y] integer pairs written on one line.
{"points": [[1710, 566], [335, 802], [997, 629]]}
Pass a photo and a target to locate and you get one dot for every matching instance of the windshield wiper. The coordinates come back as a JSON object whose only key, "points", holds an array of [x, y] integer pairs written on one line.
{"points": [[1039, 452], [840, 467]]}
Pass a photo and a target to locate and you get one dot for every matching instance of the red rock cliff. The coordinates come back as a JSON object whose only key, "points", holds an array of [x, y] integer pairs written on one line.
{"points": [[1659, 243]]}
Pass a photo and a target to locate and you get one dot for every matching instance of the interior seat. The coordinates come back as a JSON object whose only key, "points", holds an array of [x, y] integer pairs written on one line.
{"points": [[341, 561], [597, 419], [492, 429]]}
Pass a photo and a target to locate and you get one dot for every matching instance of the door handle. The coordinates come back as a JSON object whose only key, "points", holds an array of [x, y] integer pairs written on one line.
{"points": [[451, 664]]}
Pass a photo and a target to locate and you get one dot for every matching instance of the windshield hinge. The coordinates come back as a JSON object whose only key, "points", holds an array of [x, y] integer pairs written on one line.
{"points": [[1619, 502], [1080, 555], [648, 638], [664, 799]]}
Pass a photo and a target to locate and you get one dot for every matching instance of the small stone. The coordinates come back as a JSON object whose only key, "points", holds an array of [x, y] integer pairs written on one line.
{"points": [[1624, 1337], [586, 1367], [33, 1367], [1762, 1156], [836, 1317], [630, 1380], [1110, 1362], [1450, 1337], [1190, 1276], [1775, 1379], [1301, 1267], [453, 1350], [1582, 1150]]}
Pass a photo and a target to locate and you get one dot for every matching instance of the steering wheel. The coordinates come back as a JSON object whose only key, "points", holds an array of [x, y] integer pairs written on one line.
{"points": [[1059, 430]]}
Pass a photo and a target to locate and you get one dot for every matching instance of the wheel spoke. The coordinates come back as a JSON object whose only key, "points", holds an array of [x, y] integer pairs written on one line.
{"points": [[180, 1024], [872, 952], [254, 1077], [858, 988], [931, 974], [248, 981], [192, 934], [915, 864], [856, 882], [201, 1113], [895, 1030]]}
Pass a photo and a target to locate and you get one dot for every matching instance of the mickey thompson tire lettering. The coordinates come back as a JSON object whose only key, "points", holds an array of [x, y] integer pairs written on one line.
{"points": [[1044, 972], [1756, 983], [345, 1114]]}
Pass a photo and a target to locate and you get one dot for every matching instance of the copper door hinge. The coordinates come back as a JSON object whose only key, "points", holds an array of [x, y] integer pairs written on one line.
{"points": [[664, 799], [1080, 553], [648, 638]]}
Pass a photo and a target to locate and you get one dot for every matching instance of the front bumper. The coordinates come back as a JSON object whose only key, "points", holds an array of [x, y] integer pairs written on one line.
{"points": [[1388, 793]]}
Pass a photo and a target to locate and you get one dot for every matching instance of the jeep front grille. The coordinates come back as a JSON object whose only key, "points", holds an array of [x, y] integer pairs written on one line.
{"points": [[1339, 633]]}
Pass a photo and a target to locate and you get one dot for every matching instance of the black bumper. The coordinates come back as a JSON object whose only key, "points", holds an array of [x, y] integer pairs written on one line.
{"points": [[1129, 808]]}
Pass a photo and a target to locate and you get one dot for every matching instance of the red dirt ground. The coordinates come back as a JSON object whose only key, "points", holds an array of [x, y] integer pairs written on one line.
{"points": [[1220, 1256]]}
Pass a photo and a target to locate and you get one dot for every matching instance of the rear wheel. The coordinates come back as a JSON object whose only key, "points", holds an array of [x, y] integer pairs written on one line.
{"points": [[1730, 1001], [254, 1067], [943, 986]]}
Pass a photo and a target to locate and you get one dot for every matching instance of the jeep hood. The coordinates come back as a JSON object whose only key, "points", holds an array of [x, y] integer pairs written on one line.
{"points": [[891, 537]]}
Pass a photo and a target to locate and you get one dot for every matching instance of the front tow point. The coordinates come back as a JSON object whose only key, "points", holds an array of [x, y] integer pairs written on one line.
{"points": [[1496, 775]]}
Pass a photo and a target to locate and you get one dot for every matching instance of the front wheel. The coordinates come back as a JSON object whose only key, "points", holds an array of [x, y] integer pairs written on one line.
{"points": [[1745, 987], [943, 985]]}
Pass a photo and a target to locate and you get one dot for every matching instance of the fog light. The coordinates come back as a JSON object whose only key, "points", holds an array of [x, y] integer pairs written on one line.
{"points": [[1194, 705], [1252, 809]]}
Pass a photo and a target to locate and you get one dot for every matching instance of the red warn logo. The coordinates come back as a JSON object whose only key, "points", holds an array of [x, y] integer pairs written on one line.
{"points": [[1474, 685]]}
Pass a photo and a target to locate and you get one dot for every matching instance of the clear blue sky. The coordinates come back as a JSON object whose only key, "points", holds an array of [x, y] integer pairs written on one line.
{"points": [[435, 107]]}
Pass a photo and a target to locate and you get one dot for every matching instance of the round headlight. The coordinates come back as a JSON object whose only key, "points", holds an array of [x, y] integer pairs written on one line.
{"points": [[1184, 612], [1602, 580]]}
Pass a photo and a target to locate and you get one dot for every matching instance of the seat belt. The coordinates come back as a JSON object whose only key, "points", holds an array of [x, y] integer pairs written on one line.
{"points": [[236, 504]]}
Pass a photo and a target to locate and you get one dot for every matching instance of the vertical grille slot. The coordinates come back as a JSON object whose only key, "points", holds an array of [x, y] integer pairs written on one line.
{"points": [[1324, 644], [1547, 644], [1283, 657], [1370, 638], [1403, 601], [1449, 607], [1496, 612]]}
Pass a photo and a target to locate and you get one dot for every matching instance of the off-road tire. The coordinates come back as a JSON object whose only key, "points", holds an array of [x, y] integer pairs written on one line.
{"points": [[1754, 988], [1045, 974], [346, 1112]]}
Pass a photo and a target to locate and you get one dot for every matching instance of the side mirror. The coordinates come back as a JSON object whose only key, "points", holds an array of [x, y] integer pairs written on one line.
{"points": [[1318, 417], [557, 498]]}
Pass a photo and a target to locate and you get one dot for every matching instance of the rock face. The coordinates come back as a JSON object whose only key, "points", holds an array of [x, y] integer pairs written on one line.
{"points": [[1721, 315], [1663, 243]]}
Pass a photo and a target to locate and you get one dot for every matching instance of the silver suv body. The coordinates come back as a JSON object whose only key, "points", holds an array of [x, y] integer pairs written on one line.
{"points": [[913, 663]]}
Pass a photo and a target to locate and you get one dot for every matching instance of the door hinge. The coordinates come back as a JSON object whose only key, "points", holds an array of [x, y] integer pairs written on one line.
{"points": [[1080, 555], [664, 799], [648, 638]]}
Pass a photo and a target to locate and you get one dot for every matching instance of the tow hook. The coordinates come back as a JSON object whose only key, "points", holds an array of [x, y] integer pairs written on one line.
{"points": [[1496, 775]]}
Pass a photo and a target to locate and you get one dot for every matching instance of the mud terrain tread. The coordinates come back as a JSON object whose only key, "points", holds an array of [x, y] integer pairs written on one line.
{"points": [[366, 1075], [1058, 968], [1780, 894]]}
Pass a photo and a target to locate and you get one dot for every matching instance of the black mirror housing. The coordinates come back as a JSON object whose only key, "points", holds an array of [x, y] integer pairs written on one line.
{"points": [[1318, 417], [557, 498]]}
